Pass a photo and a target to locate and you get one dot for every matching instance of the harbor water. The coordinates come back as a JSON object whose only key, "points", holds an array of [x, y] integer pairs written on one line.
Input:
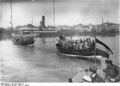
{"points": [[42, 62]]}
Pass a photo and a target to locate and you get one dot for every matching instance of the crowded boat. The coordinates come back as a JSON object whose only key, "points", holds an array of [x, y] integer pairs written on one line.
{"points": [[81, 46], [77, 47], [22, 39], [78, 44]]}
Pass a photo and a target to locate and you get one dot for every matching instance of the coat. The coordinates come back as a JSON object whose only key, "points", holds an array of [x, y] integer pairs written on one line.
{"points": [[97, 78]]}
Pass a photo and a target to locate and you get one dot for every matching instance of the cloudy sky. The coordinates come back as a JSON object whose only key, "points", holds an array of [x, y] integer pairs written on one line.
{"points": [[67, 12]]}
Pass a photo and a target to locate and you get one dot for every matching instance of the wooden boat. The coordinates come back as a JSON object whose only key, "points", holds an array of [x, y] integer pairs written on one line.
{"points": [[23, 39], [88, 52]]}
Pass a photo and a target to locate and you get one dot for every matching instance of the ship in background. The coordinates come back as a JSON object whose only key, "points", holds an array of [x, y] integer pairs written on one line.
{"points": [[20, 37], [46, 31], [39, 31]]}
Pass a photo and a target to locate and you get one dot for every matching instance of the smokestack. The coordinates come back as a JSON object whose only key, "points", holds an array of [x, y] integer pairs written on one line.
{"points": [[43, 21]]}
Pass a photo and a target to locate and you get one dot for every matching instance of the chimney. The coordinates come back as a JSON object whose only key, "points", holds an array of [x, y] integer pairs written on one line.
{"points": [[43, 21]]}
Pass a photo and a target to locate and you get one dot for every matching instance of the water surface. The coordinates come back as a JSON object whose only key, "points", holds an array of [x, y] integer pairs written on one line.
{"points": [[42, 62]]}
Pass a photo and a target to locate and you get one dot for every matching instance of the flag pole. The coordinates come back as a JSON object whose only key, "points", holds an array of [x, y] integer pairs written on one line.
{"points": [[95, 50], [95, 46]]}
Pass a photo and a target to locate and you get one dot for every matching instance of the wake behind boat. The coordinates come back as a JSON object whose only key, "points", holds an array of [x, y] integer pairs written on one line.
{"points": [[74, 56]]}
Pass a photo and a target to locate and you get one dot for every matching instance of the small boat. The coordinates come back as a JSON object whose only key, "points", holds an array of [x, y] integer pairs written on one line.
{"points": [[82, 52], [87, 52], [23, 38]]}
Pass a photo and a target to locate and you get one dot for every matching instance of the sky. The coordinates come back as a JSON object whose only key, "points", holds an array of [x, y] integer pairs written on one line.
{"points": [[67, 12]]}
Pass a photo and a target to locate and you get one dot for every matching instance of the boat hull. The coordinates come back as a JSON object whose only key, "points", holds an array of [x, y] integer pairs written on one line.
{"points": [[89, 52], [21, 41]]}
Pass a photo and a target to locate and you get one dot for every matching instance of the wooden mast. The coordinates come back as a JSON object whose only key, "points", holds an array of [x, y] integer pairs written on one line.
{"points": [[54, 13], [11, 21]]}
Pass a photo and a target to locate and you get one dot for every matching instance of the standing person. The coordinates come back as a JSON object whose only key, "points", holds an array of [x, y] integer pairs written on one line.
{"points": [[92, 46], [112, 72]]}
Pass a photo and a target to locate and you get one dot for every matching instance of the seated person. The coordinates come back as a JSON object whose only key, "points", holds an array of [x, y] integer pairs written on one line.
{"points": [[112, 72], [88, 75], [80, 75], [94, 76]]}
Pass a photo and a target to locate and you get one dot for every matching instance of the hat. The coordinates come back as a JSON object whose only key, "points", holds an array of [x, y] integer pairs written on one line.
{"points": [[108, 61], [93, 69]]}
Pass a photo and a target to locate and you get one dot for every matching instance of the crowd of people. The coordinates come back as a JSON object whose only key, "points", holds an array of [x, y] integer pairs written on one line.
{"points": [[78, 44]]}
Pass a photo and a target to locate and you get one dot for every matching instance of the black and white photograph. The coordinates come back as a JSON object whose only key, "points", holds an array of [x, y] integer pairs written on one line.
{"points": [[59, 41]]}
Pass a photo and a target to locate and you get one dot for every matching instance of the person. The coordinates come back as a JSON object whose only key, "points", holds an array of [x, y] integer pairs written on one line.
{"points": [[62, 37], [87, 75], [112, 72], [92, 46], [94, 76], [81, 76]]}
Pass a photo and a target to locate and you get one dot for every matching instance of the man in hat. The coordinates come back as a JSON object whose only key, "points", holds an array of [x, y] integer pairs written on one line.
{"points": [[94, 76], [88, 75], [82, 76], [112, 72]]}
